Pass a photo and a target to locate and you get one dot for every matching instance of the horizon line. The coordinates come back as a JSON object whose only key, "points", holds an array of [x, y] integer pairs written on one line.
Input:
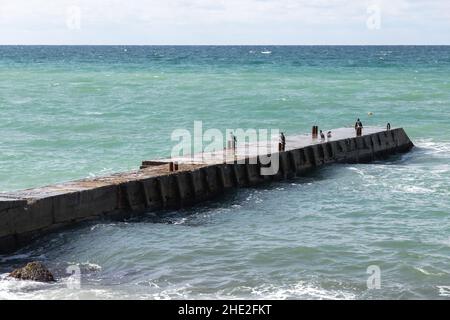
{"points": [[234, 45]]}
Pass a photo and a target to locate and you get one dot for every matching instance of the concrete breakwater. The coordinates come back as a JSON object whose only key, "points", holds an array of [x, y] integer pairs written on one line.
{"points": [[30, 213]]}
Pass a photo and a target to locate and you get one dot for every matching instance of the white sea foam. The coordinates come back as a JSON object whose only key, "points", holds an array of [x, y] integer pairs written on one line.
{"points": [[416, 190], [435, 148], [178, 292], [357, 170], [428, 273], [21, 101], [180, 221], [300, 290], [13, 257], [444, 291], [11, 288], [87, 265], [18, 289], [93, 113], [104, 225]]}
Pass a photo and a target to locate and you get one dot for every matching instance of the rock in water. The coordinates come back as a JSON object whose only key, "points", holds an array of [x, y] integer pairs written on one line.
{"points": [[34, 271]]}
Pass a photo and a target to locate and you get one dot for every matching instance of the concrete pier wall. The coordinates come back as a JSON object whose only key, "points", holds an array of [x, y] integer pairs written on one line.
{"points": [[27, 214]]}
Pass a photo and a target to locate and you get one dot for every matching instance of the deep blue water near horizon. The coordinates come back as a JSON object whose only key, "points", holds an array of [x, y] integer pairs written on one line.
{"points": [[69, 112]]}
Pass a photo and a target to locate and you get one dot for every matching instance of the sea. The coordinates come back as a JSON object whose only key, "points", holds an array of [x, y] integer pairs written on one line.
{"points": [[356, 231]]}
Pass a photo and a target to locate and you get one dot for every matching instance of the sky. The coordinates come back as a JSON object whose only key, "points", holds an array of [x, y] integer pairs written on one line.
{"points": [[225, 22]]}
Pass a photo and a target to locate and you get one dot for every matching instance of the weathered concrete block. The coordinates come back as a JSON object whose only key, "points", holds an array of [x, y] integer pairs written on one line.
{"points": [[279, 173], [67, 206], [199, 183], [338, 150], [364, 150], [145, 195], [352, 152], [376, 142], [349, 145], [253, 171], [390, 135], [154, 163], [7, 222], [8, 243], [287, 167], [294, 158], [227, 174], [386, 147], [37, 215], [99, 200], [305, 163], [153, 193], [403, 142], [240, 175], [359, 141], [85, 203], [132, 196], [310, 155], [328, 153], [318, 154], [383, 139], [9, 203], [169, 191], [212, 180], [305, 159], [368, 142], [254, 174], [390, 146], [185, 188]]}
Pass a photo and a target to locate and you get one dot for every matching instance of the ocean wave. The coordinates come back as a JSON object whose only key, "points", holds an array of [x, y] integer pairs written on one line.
{"points": [[93, 113], [416, 190], [180, 221], [300, 290], [105, 225], [428, 273], [14, 257], [86, 265], [11, 288], [361, 172], [63, 289], [432, 147], [444, 291]]}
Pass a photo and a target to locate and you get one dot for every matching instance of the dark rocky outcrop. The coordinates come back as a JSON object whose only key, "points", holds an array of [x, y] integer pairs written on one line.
{"points": [[34, 271]]}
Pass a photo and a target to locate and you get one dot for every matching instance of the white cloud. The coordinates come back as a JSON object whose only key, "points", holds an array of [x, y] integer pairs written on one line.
{"points": [[220, 21]]}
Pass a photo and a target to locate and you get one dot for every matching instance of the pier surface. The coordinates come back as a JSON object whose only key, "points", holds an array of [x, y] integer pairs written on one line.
{"points": [[27, 214]]}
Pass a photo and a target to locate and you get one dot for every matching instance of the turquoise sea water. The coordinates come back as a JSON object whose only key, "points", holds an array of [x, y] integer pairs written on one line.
{"points": [[73, 112]]}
